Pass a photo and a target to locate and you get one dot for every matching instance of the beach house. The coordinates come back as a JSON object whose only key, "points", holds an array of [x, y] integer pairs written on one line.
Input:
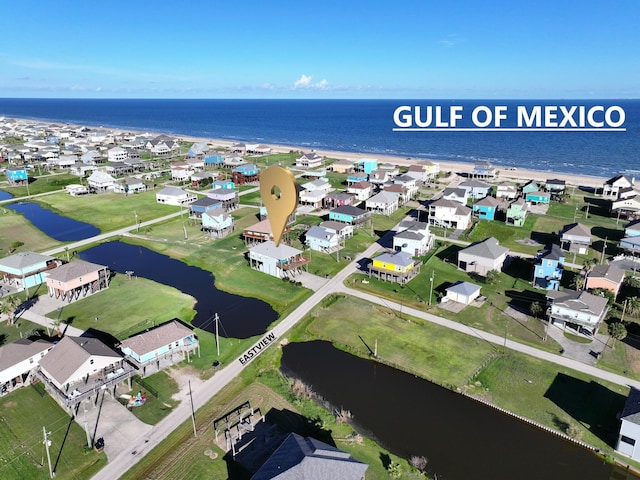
{"points": [[75, 279], [476, 189], [608, 277], [462, 292], [629, 434], [449, 214], [309, 160], [202, 205], [26, 269], [17, 175], [578, 310], [575, 238], [482, 257], [279, 261], [632, 229], [217, 222], [398, 267], [538, 197], [337, 199], [459, 195], [383, 203], [129, 185], [360, 190], [18, 360], [485, 208], [349, 214], [228, 197], [245, 174], [101, 181], [548, 268], [321, 239], [506, 190], [415, 239], [483, 169], [612, 186], [517, 212], [175, 196], [160, 344], [342, 166]]}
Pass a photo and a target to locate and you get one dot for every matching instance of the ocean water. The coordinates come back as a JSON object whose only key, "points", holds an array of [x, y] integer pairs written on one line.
{"points": [[364, 126]]}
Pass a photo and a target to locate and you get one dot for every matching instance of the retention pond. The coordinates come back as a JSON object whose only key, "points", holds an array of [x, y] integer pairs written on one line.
{"points": [[63, 229], [462, 438], [240, 317]]}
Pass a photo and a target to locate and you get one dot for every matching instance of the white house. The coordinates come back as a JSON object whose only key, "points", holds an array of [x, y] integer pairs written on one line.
{"points": [[629, 437], [101, 181], [578, 310], [17, 359], [75, 359], [322, 240], [462, 292], [413, 238], [448, 214], [476, 189], [459, 195], [279, 261], [482, 257], [384, 203], [360, 190], [309, 160], [175, 196], [117, 154], [612, 186], [506, 190]]}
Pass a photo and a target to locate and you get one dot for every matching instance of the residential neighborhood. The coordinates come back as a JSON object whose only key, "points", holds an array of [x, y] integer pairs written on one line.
{"points": [[527, 262]]}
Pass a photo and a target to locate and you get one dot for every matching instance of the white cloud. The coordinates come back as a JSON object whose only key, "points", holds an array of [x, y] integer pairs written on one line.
{"points": [[451, 41], [305, 81]]}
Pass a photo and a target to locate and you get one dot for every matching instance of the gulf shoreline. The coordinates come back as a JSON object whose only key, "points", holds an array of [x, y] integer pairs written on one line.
{"points": [[518, 175]]}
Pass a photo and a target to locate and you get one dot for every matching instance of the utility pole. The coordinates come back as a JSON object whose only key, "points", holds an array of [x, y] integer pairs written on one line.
{"points": [[217, 338], [604, 248], [86, 427], [47, 442], [193, 413], [431, 288]]}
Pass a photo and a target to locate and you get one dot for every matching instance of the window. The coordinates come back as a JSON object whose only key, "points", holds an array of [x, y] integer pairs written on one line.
{"points": [[91, 361], [628, 440]]}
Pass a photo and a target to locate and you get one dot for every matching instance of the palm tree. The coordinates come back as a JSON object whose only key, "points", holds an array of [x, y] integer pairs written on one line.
{"points": [[618, 331], [633, 305], [8, 307]]}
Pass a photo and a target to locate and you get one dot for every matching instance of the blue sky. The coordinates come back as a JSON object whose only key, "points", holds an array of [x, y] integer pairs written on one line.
{"points": [[347, 49]]}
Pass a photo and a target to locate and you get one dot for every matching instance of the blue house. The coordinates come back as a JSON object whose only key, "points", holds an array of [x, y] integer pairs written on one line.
{"points": [[223, 184], [16, 175], [160, 343], [357, 177], [217, 222], [368, 165], [203, 205], [548, 268], [213, 160], [485, 209], [26, 269], [538, 197], [349, 214]]}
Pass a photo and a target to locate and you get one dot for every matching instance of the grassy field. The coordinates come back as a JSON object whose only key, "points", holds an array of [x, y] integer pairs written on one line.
{"points": [[43, 184], [16, 228], [21, 329], [511, 288], [23, 413], [108, 211], [127, 307]]}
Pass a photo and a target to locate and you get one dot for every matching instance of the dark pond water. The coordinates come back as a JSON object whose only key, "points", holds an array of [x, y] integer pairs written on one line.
{"points": [[5, 195], [462, 439], [61, 228], [240, 317]]}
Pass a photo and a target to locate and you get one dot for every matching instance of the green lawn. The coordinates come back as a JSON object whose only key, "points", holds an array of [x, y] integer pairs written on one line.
{"points": [[512, 288], [20, 329], [16, 228], [127, 307], [43, 184], [158, 389], [108, 211], [23, 413]]}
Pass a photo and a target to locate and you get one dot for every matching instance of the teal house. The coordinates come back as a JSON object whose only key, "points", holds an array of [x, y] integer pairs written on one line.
{"points": [[531, 186], [16, 175], [368, 165], [538, 197], [517, 213], [26, 269], [485, 208], [213, 160], [160, 343], [349, 214]]}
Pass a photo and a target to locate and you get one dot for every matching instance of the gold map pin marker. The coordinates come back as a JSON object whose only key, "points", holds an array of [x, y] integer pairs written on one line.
{"points": [[280, 195]]}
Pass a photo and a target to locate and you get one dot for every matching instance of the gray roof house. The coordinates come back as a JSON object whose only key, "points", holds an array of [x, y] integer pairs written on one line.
{"points": [[462, 292], [575, 238], [629, 435], [309, 459], [579, 310], [482, 257]]}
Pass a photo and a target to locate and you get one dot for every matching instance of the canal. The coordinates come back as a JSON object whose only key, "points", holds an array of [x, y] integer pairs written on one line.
{"points": [[5, 195], [59, 227], [462, 439], [240, 317]]}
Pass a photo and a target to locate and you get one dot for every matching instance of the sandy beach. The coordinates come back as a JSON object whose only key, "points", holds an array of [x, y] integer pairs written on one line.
{"points": [[519, 175]]}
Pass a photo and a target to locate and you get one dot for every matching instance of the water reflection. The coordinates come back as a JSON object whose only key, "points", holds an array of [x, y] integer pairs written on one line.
{"points": [[240, 317], [462, 438], [63, 229]]}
